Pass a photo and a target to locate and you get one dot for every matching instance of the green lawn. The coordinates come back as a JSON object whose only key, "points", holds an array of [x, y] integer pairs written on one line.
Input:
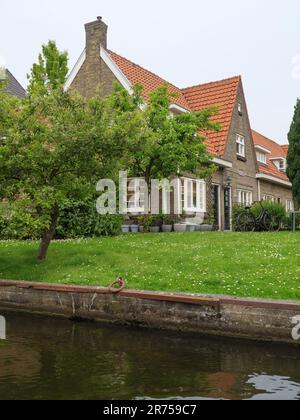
{"points": [[253, 265]]}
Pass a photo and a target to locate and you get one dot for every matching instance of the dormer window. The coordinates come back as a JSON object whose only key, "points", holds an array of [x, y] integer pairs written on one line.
{"points": [[240, 146], [261, 157], [261, 154], [280, 163]]}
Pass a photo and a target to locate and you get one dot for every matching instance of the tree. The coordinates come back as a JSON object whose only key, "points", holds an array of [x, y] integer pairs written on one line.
{"points": [[54, 145], [50, 73], [165, 145], [293, 160]]}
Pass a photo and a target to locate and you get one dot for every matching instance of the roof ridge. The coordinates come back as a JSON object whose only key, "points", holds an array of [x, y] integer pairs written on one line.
{"points": [[145, 69], [213, 83]]}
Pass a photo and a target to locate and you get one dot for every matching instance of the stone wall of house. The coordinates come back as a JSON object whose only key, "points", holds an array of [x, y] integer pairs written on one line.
{"points": [[94, 74], [279, 192], [243, 172]]}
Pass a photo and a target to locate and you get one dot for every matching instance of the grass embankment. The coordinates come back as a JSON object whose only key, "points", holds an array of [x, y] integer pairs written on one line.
{"points": [[246, 265]]}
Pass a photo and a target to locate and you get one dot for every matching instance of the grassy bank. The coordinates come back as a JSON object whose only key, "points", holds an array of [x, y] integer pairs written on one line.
{"points": [[252, 265]]}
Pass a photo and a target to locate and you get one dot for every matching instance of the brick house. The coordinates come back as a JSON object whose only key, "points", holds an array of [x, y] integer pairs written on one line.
{"points": [[250, 167]]}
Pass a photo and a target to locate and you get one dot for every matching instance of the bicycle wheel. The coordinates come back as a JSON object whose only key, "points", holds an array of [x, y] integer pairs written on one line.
{"points": [[246, 222], [271, 223]]}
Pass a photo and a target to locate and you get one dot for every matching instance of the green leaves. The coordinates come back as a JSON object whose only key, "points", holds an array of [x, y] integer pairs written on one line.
{"points": [[50, 73], [164, 144], [293, 160]]}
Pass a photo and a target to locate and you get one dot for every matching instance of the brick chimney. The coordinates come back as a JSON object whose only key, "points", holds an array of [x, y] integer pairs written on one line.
{"points": [[96, 35]]}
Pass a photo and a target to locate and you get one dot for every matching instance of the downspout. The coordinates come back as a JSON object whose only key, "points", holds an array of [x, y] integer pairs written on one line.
{"points": [[259, 190]]}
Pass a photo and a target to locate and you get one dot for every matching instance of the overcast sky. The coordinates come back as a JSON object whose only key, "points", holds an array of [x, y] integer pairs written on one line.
{"points": [[186, 42]]}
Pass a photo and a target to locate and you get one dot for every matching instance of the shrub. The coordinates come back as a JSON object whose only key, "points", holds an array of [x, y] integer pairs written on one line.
{"points": [[276, 210], [80, 219], [288, 221], [19, 222], [236, 211]]}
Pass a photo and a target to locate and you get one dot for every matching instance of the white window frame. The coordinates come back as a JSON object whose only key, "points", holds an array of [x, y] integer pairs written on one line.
{"points": [[268, 198], [240, 108], [188, 195], [261, 157], [241, 143], [280, 164], [138, 204], [245, 197], [289, 206]]}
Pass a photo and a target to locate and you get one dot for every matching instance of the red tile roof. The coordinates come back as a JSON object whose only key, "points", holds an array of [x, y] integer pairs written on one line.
{"points": [[285, 149], [223, 94], [137, 74], [276, 150]]}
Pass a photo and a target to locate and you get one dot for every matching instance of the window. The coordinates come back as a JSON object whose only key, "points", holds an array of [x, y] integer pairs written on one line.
{"points": [[240, 109], [280, 164], [268, 197], [194, 196], [135, 196], [289, 205], [245, 198], [261, 157], [240, 143]]}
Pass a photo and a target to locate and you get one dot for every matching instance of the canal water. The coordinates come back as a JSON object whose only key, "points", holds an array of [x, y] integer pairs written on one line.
{"points": [[45, 358]]}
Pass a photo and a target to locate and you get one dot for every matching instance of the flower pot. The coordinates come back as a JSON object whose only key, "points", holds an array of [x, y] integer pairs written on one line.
{"points": [[206, 228], [141, 229], [191, 228], [135, 229], [167, 228], [179, 228], [125, 228], [154, 229]]}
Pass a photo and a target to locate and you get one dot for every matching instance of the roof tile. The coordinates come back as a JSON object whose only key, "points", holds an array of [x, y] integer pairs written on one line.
{"points": [[137, 74], [222, 94]]}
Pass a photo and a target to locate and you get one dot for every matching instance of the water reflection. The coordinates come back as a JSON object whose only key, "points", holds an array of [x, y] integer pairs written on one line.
{"points": [[275, 387], [55, 359]]}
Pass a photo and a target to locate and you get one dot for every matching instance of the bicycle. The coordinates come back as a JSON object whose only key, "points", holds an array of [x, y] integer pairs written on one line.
{"points": [[247, 222]]}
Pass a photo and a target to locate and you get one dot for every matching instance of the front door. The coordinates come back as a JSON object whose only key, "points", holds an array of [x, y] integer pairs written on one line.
{"points": [[227, 208]]}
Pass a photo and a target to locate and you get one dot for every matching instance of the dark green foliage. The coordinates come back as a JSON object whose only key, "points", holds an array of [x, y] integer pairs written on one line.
{"points": [[80, 219], [77, 220], [293, 160], [276, 210], [236, 211]]}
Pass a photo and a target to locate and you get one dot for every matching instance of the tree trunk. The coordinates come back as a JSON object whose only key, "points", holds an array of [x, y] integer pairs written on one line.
{"points": [[48, 235]]}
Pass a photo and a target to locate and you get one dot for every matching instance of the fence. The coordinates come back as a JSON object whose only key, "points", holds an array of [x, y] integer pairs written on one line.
{"points": [[295, 216]]}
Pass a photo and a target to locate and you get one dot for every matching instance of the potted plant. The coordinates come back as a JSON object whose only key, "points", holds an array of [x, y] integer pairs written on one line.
{"points": [[144, 223], [134, 228], [167, 226], [191, 228], [208, 225], [125, 229], [155, 224]]}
